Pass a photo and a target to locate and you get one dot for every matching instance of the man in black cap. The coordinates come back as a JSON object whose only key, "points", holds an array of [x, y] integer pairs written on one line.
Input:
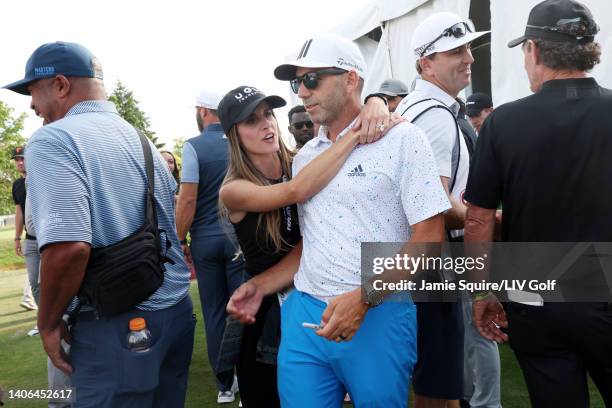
{"points": [[29, 300], [478, 107], [546, 159]]}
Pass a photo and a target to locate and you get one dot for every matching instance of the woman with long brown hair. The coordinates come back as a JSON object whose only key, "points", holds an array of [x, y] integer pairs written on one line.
{"points": [[259, 197]]}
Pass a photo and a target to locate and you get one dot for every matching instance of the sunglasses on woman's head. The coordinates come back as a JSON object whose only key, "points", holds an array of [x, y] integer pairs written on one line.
{"points": [[311, 79], [458, 30]]}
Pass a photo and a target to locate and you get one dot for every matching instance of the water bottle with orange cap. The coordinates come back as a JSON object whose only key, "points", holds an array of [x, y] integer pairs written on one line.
{"points": [[139, 337]]}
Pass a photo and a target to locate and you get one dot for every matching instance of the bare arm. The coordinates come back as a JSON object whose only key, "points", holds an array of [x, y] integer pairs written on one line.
{"points": [[18, 229], [455, 217], [479, 224], [185, 208], [373, 113], [62, 269], [242, 195], [245, 302], [488, 314]]}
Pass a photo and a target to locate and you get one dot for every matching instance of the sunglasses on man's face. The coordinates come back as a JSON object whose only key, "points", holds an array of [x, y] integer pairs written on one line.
{"points": [[311, 79], [300, 125], [458, 30]]}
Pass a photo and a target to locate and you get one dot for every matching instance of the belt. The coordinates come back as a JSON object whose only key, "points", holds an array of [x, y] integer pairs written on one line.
{"points": [[30, 237]]}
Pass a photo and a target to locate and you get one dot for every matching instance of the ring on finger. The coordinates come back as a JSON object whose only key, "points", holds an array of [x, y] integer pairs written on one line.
{"points": [[342, 337], [380, 127]]}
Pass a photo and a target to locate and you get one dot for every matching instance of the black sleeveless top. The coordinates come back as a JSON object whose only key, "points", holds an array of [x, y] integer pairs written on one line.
{"points": [[260, 254], [259, 251]]}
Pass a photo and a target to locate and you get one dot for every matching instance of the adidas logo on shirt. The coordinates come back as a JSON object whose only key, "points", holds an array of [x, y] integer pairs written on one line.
{"points": [[357, 172]]}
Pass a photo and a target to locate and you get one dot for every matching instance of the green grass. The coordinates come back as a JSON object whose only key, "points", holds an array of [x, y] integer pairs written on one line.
{"points": [[8, 258], [23, 362]]}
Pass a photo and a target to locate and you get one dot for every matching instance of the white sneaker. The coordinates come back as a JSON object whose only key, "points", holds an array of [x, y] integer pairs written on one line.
{"points": [[240, 404], [234, 388], [33, 332], [28, 305], [225, 397]]}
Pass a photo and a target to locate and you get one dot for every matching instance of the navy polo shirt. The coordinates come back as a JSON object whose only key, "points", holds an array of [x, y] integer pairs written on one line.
{"points": [[205, 160]]}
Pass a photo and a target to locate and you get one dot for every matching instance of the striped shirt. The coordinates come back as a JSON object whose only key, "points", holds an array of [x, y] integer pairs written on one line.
{"points": [[87, 182]]}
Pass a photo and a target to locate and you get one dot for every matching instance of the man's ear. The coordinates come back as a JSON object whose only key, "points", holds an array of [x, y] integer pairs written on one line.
{"points": [[61, 85], [534, 51], [352, 80], [425, 65]]}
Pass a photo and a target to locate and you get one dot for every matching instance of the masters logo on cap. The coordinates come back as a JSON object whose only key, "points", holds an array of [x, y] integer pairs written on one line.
{"points": [[58, 58]]}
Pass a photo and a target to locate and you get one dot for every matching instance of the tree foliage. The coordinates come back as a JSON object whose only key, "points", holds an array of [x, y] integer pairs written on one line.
{"points": [[11, 128], [127, 106], [177, 150]]}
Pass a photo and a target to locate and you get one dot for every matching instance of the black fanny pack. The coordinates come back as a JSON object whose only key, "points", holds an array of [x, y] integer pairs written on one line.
{"points": [[120, 276]]}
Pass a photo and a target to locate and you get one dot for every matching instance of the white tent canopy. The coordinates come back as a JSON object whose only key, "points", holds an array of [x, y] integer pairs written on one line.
{"points": [[391, 57]]}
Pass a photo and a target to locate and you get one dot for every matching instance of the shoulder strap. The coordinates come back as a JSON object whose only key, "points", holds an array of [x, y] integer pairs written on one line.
{"points": [[456, 152], [148, 156]]}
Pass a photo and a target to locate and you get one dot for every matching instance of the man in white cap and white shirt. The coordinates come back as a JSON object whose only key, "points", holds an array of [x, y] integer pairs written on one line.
{"points": [[441, 48], [387, 191], [218, 270]]}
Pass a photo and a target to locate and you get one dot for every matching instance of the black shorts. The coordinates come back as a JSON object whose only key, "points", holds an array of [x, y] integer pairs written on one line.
{"points": [[438, 372]]}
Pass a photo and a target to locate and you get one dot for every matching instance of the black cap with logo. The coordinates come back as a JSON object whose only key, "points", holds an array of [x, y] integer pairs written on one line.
{"points": [[239, 103], [18, 151], [476, 102], [560, 21]]}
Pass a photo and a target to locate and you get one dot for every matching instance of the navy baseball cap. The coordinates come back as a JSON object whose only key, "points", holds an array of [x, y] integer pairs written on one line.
{"points": [[476, 102], [239, 103], [58, 58]]}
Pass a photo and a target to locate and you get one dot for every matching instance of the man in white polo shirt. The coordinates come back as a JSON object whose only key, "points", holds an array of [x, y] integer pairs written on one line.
{"points": [[441, 45], [388, 191]]}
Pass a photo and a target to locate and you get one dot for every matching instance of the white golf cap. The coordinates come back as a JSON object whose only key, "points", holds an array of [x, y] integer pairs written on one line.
{"points": [[324, 51], [208, 99], [432, 27]]}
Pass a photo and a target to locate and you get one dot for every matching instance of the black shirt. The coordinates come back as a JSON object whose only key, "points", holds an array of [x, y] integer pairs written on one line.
{"points": [[19, 192], [548, 159], [260, 252], [19, 195]]}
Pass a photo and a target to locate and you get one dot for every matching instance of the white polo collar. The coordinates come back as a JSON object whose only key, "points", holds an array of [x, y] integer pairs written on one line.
{"points": [[433, 91], [322, 136]]}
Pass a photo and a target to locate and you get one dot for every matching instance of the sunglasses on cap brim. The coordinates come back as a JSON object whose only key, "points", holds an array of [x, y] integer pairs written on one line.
{"points": [[576, 28], [311, 79], [458, 30]]}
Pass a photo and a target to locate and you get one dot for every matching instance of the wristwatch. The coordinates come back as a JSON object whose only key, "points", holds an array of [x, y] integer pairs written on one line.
{"points": [[184, 241], [371, 296], [17, 238]]}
